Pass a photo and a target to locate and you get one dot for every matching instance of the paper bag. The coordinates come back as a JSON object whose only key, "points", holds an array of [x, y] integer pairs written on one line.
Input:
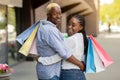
{"points": [[24, 35], [101, 52], [27, 45], [90, 66]]}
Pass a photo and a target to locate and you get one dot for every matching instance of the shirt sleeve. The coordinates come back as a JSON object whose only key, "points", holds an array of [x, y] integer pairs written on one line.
{"points": [[55, 40], [49, 60]]}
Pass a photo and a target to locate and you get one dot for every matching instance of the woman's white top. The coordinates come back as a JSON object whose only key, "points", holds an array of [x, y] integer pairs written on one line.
{"points": [[75, 44]]}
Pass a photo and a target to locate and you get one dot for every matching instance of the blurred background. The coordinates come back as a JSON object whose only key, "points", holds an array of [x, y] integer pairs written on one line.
{"points": [[102, 20]]}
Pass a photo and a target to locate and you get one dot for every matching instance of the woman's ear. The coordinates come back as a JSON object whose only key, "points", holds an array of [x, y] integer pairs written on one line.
{"points": [[81, 27]]}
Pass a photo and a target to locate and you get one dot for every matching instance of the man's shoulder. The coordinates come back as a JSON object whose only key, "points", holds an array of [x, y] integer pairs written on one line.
{"points": [[47, 28]]}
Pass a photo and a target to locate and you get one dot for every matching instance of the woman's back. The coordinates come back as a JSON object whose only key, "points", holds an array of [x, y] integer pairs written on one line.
{"points": [[76, 45]]}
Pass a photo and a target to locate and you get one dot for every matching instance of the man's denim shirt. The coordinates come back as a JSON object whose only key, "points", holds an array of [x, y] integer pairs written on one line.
{"points": [[50, 42]]}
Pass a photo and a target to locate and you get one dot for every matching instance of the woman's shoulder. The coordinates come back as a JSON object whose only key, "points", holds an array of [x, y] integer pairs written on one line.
{"points": [[78, 35]]}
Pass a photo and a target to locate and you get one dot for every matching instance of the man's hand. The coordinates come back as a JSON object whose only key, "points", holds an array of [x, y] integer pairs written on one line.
{"points": [[36, 57]]}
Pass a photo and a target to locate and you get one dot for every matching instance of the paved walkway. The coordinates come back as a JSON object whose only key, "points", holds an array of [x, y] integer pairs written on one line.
{"points": [[110, 42], [24, 71]]}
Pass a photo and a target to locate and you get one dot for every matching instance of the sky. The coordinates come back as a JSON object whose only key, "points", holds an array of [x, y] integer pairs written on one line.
{"points": [[106, 1]]}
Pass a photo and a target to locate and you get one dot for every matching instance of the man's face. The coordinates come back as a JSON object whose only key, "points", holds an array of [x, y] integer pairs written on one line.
{"points": [[55, 16]]}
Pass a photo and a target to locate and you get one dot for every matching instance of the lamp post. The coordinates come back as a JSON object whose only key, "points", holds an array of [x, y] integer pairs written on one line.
{"points": [[6, 28]]}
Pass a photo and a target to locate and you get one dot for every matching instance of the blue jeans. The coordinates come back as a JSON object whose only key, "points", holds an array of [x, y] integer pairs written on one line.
{"points": [[72, 74], [53, 78]]}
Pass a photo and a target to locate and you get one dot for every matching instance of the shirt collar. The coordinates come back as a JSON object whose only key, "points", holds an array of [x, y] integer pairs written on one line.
{"points": [[44, 22]]}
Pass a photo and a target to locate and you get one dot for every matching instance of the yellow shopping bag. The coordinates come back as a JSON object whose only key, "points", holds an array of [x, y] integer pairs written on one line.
{"points": [[28, 43]]}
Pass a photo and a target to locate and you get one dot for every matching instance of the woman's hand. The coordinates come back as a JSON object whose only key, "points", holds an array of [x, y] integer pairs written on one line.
{"points": [[82, 66], [75, 61]]}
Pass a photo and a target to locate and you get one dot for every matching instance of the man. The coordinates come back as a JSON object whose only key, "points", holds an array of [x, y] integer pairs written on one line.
{"points": [[50, 42]]}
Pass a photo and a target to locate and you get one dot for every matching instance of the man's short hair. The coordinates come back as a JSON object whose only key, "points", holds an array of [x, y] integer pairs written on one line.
{"points": [[51, 5]]}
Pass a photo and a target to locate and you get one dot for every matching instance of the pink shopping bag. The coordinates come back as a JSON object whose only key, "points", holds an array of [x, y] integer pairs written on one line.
{"points": [[98, 62], [33, 49], [106, 59]]}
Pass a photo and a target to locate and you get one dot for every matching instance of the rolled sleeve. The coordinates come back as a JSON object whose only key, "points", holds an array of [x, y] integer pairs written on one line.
{"points": [[49, 60], [55, 40]]}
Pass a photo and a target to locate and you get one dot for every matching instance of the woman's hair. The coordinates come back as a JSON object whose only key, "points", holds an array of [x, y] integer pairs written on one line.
{"points": [[82, 23]]}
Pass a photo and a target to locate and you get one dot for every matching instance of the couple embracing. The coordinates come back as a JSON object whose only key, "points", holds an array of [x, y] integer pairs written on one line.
{"points": [[59, 58]]}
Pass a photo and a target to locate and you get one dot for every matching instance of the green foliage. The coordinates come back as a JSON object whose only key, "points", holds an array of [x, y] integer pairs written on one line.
{"points": [[110, 12], [2, 15], [1, 71], [2, 25], [11, 16]]}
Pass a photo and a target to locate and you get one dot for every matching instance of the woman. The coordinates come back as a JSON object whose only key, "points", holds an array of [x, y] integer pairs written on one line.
{"points": [[77, 44]]}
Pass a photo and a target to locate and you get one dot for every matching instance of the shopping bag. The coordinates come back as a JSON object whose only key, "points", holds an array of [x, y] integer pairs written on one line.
{"points": [[24, 35], [33, 48], [90, 66], [97, 61], [101, 52], [27, 45]]}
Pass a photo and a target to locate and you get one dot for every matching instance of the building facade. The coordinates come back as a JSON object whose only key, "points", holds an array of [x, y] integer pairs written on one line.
{"points": [[34, 10]]}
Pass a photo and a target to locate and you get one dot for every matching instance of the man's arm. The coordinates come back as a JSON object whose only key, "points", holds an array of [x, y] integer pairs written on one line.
{"points": [[49, 60], [56, 58], [56, 42]]}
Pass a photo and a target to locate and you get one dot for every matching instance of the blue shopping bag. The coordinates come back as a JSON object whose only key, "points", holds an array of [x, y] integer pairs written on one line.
{"points": [[24, 35], [90, 66]]}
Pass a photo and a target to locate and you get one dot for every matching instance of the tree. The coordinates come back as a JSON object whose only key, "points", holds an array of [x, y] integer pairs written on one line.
{"points": [[2, 17], [11, 16], [110, 13]]}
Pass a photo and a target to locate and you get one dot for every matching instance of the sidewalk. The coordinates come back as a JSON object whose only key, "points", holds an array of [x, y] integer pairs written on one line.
{"points": [[110, 42], [24, 71]]}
